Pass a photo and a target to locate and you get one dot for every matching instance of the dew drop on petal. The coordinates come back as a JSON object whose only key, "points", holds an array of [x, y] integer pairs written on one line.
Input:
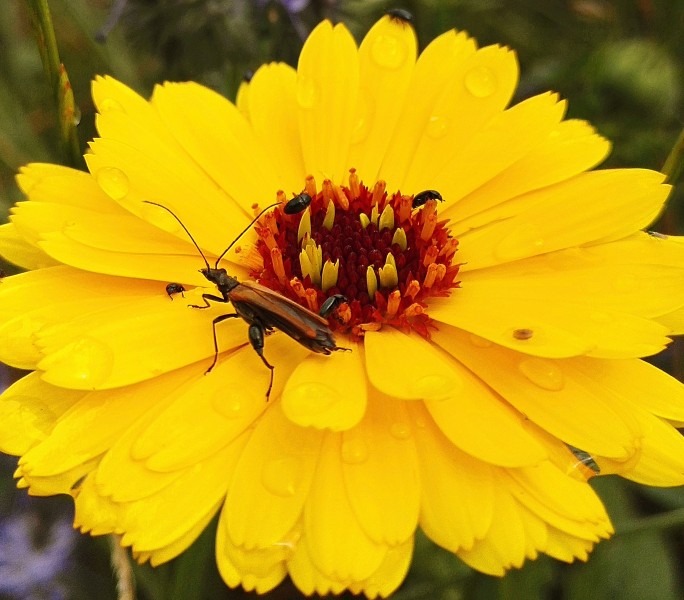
{"points": [[365, 116], [113, 182], [86, 361], [303, 402], [110, 105], [231, 409], [524, 241], [480, 81], [400, 430], [281, 476], [436, 387], [437, 126], [76, 117], [354, 451], [543, 373], [388, 51], [306, 92]]}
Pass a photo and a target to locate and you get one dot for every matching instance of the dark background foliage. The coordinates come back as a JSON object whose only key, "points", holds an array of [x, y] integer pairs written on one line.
{"points": [[618, 62]]}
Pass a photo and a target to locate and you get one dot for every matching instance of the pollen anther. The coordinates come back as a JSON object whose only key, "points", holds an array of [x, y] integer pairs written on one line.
{"points": [[399, 238], [386, 218], [329, 274], [329, 219], [310, 186], [304, 225], [393, 302], [371, 282]]}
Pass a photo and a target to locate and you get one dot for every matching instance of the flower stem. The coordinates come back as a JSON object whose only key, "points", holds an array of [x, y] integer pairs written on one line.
{"points": [[125, 583], [68, 112], [674, 163]]}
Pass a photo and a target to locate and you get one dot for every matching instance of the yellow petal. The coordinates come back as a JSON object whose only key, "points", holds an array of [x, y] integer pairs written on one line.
{"points": [[16, 249], [271, 482], [457, 491], [338, 545], [272, 110], [387, 58], [307, 577], [390, 573], [408, 367], [327, 91], [380, 470], [327, 391]]}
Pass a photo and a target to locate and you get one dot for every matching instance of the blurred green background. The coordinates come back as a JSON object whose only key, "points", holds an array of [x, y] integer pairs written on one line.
{"points": [[620, 64]]}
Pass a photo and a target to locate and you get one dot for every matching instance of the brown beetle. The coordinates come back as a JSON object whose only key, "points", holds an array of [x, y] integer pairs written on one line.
{"points": [[262, 308]]}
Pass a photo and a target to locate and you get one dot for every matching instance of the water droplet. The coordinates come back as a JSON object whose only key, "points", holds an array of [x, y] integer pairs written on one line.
{"points": [[437, 126], [232, 409], [526, 240], [400, 430], [480, 81], [76, 117], [84, 363], [110, 105], [543, 373], [113, 182], [435, 386], [305, 402], [388, 51], [281, 476], [479, 342], [307, 93], [365, 113], [354, 451]]}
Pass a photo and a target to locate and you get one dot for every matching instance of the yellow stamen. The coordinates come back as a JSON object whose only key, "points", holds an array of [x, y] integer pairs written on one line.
{"points": [[405, 208], [412, 289], [271, 222], [430, 275], [341, 197], [371, 282], [311, 299], [429, 225], [399, 237], [305, 264], [393, 302], [388, 276], [328, 193], [310, 186], [386, 218], [441, 271], [267, 236], [414, 310], [278, 267], [389, 260], [430, 256], [365, 221], [304, 225], [378, 191], [329, 219], [449, 248], [281, 197], [374, 215], [297, 287], [329, 275], [354, 183], [314, 255]]}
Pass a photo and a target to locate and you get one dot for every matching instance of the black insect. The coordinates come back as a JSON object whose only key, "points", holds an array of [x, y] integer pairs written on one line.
{"points": [[174, 288], [297, 204], [331, 304], [247, 75], [262, 308], [400, 14], [422, 197]]}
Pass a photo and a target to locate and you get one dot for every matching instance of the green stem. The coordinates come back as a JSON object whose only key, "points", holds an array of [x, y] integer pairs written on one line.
{"points": [[674, 164], [58, 79], [668, 520]]}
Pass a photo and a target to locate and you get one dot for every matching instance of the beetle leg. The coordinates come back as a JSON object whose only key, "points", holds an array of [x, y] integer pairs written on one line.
{"points": [[213, 328], [206, 298], [256, 338]]}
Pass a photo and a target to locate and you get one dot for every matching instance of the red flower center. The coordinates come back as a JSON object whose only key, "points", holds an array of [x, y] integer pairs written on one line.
{"points": [[383, 255]]}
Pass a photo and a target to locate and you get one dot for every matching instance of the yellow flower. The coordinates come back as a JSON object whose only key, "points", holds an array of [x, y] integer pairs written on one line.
{"points": [[494, 329]]}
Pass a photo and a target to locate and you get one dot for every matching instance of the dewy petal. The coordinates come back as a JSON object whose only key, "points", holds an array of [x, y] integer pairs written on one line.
{"points": [[408, 367], [570, 148], [327, 391], [258, 570], [550, 393], [389, 575], [271, 482], [218, 139], [380, 470], [508, 135], [434, 70], [604, 203], [29, 410], [387, 58], [307, 577], [272, 104], [480, 87], [339, 546], [155, 335], [15, 249], [457, 491], [327, 92]]}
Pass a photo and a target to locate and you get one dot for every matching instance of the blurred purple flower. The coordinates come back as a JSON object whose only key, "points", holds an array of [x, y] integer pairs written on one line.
{"points": [[32, 559]]}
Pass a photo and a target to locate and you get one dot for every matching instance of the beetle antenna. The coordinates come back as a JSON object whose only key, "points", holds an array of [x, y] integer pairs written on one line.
{"points": [[206, 262], [245, 230]]}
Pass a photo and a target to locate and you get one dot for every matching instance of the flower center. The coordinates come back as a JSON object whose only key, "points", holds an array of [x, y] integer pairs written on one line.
{"points": [[383, 255]]}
